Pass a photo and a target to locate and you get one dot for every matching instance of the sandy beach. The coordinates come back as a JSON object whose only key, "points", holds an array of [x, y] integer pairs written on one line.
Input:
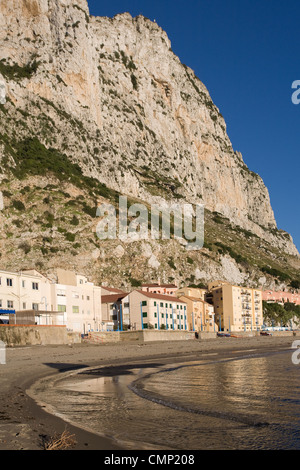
{"points": [[26, 426]]}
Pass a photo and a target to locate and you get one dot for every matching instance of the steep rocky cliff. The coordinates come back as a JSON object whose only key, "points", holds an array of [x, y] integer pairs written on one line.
{"points": [[105, 100]]}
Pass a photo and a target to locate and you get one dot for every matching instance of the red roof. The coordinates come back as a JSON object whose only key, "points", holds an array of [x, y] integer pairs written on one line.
{"points": [[159, 285], [151, 295], [113, 290], [112, 298]]}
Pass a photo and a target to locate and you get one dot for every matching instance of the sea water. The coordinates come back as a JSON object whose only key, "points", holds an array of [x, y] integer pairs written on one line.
{"points": [[250, 401]]}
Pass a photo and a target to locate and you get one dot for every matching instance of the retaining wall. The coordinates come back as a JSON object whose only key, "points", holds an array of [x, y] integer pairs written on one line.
{"points": [[139, 336], [142, 336], [24, 335]]}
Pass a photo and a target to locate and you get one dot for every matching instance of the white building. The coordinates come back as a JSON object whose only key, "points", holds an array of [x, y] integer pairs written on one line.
{"points": [[157, 311], [71, 301], [25, 290], [78, 300]]}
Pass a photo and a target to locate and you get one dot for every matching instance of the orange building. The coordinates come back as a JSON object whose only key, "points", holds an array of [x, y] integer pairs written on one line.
{"points": [[281, 297]]}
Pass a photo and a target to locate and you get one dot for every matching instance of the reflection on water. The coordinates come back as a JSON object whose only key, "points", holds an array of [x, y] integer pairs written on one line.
{"points": [[212, 405]]}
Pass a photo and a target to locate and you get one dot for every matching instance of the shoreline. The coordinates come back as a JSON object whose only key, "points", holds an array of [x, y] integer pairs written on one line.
{"points": [[25, 425]]}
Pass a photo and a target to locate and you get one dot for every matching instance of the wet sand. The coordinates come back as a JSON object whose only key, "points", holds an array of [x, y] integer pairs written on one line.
{"points": [[26, 426]]}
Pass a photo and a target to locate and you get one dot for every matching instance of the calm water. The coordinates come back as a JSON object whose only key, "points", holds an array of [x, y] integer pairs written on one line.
{"points": [[247, 402]]}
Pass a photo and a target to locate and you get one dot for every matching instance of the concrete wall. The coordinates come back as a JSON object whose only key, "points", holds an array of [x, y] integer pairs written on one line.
{"points": [[140, 336], [24, 335]]}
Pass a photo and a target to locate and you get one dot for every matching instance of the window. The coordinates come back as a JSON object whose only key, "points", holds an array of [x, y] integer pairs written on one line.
{"points": [[10, 304], [126, 304], [144, 302], [24, 305], [9, 282], [144, 314], [23, 283], [0, 303], [145, 325], [35, 286], [35, 306], [155, 314], [154, 304], [75, 309], [61, 308], [161, 304], [155, 326], [87, 297]]}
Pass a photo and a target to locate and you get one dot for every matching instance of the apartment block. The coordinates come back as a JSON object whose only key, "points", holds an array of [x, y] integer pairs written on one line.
{"points": [[158, 311], [29, 297], [192, 292], [78, 300], [237, 308], [200, 314], [24, 290], [281, 297], [158, 288], [115, 315]]}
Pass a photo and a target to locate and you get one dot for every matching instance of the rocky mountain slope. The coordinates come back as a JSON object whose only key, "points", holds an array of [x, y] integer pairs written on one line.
{"points": [[97, 107]]}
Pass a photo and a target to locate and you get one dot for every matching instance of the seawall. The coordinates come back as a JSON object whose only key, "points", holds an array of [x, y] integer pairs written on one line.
{"points": [[24, 335]]}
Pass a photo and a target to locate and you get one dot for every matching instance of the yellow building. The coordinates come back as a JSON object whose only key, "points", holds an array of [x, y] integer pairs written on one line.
{"points": [[237, 308], [200, 314], [191, 292]]}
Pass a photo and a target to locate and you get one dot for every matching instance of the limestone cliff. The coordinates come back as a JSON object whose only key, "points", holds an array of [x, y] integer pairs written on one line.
{"points": [[111, 96]]}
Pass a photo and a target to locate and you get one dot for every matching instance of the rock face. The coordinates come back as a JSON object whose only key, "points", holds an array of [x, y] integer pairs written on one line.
{"points": [[111, 95]]}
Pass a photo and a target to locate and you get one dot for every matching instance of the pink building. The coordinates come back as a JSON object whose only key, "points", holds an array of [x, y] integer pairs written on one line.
{"points": [[281, 297], [157, 288]]}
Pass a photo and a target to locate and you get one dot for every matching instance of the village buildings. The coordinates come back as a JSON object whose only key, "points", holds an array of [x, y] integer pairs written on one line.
{"points": [[70, 299]]}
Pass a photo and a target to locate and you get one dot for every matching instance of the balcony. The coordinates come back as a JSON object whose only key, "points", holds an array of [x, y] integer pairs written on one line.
{"points": [[244, 292], [246, 314]]}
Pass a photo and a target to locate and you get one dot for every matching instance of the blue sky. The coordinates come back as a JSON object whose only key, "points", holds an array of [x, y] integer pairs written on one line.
{"points": [[246, 52]]}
